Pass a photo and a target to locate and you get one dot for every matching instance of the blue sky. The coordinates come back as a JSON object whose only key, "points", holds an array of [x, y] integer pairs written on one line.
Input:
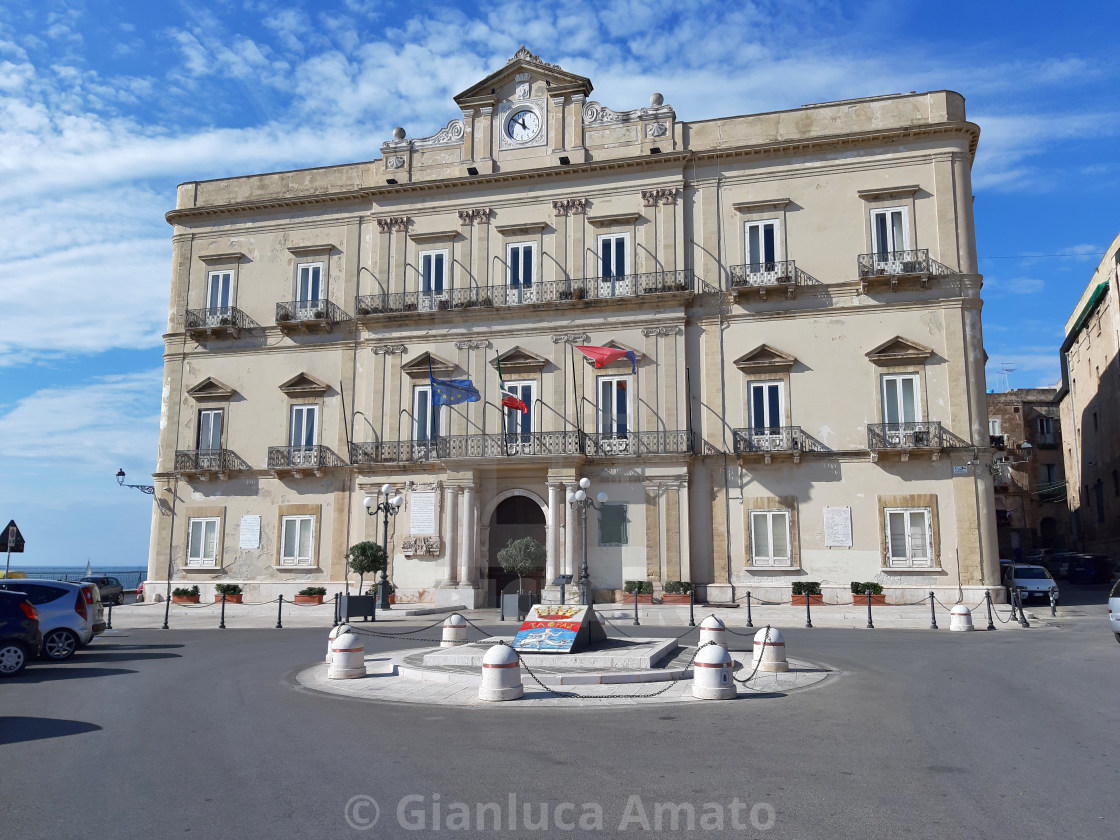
{"points": [[106, 106]]}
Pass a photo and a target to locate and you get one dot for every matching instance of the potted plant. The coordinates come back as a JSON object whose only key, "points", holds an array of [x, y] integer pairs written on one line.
{"points": [[486, 302], [184, 595], [860, 591], [644, 588], [372, 591], [521, 557], [231, 590], [319, 313], [443, 303], [365, 558], [284, 316], [807, 590], [311, 595], [676, 592], [364, 310]]}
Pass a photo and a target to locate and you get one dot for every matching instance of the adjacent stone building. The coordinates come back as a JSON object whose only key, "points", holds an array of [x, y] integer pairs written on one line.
{"points": [[1090, 411], [803, 396]]}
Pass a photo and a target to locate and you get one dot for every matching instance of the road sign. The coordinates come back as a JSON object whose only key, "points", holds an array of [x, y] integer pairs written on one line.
{"points": [[11, 539]]}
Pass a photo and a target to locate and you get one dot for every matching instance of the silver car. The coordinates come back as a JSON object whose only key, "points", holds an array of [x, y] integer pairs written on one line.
{"points": [[1031, 581], [68, 613]]}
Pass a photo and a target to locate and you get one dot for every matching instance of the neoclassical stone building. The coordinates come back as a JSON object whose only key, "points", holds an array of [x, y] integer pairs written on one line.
{"points": [[799, 291]]}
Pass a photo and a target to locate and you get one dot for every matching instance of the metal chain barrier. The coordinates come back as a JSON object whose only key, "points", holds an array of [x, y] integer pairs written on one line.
{"points": [[758, 663]]}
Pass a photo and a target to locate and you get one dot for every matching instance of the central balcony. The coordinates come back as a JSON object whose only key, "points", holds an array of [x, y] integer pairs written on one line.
{"points": [[216, 322], [553, 291], [890, 267], [298, 460], [638, 443], [309, 315]]}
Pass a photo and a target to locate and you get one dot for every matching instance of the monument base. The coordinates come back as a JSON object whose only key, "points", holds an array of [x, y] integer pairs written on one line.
{"points": [[549, 628]]}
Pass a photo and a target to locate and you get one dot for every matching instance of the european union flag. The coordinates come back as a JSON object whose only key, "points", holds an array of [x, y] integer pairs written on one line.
{"points": [[452, 391]]}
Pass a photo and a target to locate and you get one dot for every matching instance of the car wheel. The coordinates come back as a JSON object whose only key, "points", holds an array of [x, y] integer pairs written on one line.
{"points": [[13, 658], [119, 601], [1118, 637], [60, 644]]}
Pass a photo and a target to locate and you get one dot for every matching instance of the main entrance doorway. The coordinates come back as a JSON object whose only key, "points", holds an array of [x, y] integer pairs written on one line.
{"points": [[513, 518]]}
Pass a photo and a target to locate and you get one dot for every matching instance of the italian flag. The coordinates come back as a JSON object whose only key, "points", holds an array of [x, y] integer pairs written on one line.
{"points": [[508, 399]]}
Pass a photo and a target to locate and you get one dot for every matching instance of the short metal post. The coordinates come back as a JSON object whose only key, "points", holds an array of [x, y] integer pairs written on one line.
{"points": [[636, 608], [749, 622], [501, 607], [222, 623], [691, 604], [932, 613], [337, 608], [1022, 612], [988, 600], [374, 614], [109, 619], [279, 607], [1053, 607], [870, 624], [562, 588], [1011, 598], [808, 612]]}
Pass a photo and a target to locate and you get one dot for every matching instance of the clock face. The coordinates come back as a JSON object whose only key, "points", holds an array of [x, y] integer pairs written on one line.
{"points": [[523, 125]]}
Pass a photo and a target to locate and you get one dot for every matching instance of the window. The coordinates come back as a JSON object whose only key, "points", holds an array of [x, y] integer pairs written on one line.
{"points": [[210, 428], [202, 541], [218, 285], [766, 407], [425, 420], [304, 425], [888, 232], [993, 426], [761, 248], [518, 425], [613, 253], [519, 265], [1047, 473], [614, 406], [433, 275], [908, 537], [770, 542], [900, 398], [309, 284], [296, 540], [612, 525]]}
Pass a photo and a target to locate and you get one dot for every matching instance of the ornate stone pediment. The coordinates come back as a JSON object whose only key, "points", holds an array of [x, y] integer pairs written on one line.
{"points": [[519, 362], [210, 389], [417, 369], [304, 385], [765, 359], [899, 351], [560, 81]]}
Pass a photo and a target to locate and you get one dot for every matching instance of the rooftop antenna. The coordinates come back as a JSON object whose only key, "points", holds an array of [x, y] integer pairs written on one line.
{"points": [[1003, 378]]}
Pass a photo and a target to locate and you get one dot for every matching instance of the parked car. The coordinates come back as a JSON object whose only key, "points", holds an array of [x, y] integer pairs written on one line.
{"points": [[1057, 563], [112, 590], [97, 606], [140, 592], [1031, 581], [1090, 568], [67, 613], [1114, 609], [20, 637]]}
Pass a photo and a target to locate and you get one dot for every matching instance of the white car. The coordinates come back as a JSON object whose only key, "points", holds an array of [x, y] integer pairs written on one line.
{"points": [[1031, 581], [1114, 609], [68, 613]]}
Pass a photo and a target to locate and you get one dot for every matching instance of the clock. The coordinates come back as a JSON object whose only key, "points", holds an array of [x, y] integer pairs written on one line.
{"points": [[523, 125]]}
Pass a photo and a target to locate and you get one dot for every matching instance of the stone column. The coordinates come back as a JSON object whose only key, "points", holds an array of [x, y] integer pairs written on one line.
{"points": [[552, 533], [686, 534], [571, 536], [450, 529], [467, 575]]}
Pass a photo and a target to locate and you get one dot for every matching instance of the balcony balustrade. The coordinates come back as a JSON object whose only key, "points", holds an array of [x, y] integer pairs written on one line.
{"points": [[206, 463], [296, 460], [216, 322], [517, 445], [762, 277], [893, 266], [638, 443], [905, 436], [309, 315]]}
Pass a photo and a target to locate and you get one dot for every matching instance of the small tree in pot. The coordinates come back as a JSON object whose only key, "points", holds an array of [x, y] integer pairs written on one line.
{"points": [[365, 558], [522, 557]]}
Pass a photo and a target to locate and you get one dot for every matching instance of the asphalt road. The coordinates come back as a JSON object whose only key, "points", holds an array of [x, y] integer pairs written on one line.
{"points": [[201, 734]]}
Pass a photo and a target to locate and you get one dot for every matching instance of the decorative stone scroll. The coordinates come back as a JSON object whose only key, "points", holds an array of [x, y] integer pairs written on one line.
{"points": [[424, 546], [389, 349], [395, 161], [449, 135], [473, 344], [595, 113], [523, 54], [570, 207], [475, 216], [663, 195], [651, 331], [397, 224], [656, 130], [570, 338]]}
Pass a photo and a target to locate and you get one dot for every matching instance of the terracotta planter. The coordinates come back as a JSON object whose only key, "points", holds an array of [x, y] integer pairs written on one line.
{"points": [[308, 599], [184, 599], [676, 598], [230, 599], [628, 598], [877, 600], [799, 600]]}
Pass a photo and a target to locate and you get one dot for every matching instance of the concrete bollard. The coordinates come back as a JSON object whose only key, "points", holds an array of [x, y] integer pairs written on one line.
{"points": [[711, 675], [772, 651], [960, 618], [712, 630], [348, 657], [454, 631], [338, 628], [501, 675]]}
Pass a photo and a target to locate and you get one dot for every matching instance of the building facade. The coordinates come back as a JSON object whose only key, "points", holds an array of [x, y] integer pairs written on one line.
{"points": [[803, 399], [1090, 411], [1029, 472]]}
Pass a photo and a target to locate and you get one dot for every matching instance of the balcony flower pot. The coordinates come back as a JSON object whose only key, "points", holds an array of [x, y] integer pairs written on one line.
{"points": [[578, 294], [320, 314], [230, 599], [284, 316], [799, 600]]}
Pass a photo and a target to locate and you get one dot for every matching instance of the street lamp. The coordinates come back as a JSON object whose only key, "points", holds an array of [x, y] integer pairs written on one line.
{"points": [[390, 507], [143, 488], [581, 501]]}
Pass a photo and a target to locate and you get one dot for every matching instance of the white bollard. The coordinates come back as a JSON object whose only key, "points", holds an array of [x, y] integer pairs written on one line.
{"points": [[348, 657], [711, 675], [771, 650], [501, 674], [341, 628], [454, 631], [960, 618], [712, 630]]}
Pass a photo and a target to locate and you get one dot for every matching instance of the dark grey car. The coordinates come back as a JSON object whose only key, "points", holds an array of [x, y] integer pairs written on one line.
{"points": [[112, 590]]}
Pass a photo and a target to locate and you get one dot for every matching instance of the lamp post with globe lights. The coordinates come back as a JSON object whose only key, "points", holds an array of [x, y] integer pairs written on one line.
{"points": [[581, 500], [389, 507]]}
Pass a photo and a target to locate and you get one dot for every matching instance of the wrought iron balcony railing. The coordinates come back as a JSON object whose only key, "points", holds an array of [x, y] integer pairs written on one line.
{"points": [[521, 445], [302, 312], [900, 264], [594, 288], [217, 320], [206, 461], [509, 445], [997, 441], [638, 443], [924, 435], [393, 452], [772, 439], [754, 275], [302, 458]]}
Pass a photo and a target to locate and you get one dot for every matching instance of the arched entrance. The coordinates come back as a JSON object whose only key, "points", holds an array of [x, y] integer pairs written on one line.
{"points": [[513, 518]]}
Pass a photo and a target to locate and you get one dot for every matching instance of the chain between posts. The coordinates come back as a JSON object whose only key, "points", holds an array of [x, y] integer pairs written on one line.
{"points": [[758, 662]]}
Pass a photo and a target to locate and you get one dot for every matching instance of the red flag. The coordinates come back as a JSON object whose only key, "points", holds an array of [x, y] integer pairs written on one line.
{"points": [[606, 355], [508, 399]]}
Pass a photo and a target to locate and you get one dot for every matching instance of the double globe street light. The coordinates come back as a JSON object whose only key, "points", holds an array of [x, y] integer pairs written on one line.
{"points": [[581, 501], [389, 507]]}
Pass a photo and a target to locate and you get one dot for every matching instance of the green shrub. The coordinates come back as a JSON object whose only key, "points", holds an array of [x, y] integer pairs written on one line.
{"points": [[642, 587], [866, 587], [806, 587], [373, 589], [313, 590], [677, 587], [365, 558], [184, 592], [227, 589]]}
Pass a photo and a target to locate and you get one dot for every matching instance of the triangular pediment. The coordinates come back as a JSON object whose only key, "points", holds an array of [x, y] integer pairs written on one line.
{"points": [[622, 363], [304, 385], [518, 362], [899, 351], [418, 367], [765, 358], [210, 389], [559, 81]]}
